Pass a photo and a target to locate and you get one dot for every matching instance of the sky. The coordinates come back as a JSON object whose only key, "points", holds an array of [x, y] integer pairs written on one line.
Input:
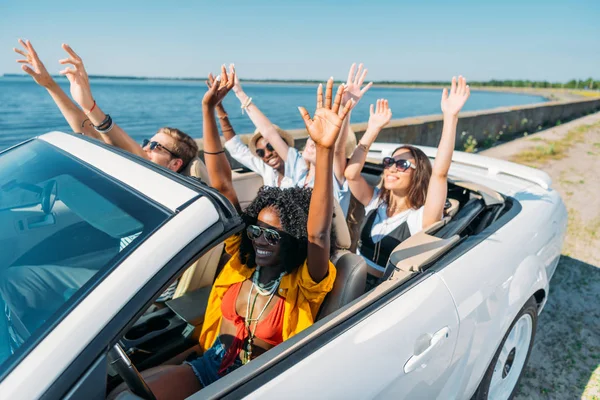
{"points": [[422, 40]]}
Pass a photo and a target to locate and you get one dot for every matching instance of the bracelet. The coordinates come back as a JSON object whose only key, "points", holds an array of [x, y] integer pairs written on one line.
{"points": [[104, 132], [223, 116], [84, 121], [363, 146], [246, 104], [91, 109], [216, 152], [105, 125]]}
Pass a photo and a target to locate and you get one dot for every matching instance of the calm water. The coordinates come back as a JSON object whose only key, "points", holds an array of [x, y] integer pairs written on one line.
{"points": [[141, 107]]}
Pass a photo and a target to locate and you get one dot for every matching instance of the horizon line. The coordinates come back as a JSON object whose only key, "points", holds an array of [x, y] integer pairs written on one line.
{"points": [[298, 80]]}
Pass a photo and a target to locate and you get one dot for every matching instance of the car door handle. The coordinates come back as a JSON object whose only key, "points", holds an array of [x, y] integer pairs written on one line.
{"points": [[419, 359]]}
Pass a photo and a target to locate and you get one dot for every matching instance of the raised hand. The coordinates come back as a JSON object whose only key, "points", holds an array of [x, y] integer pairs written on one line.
{"points": [[32, 64], [325, 127], [455, 100], [352, 89], [78, 77], [237, 87], [219, 87], [380, 115]]}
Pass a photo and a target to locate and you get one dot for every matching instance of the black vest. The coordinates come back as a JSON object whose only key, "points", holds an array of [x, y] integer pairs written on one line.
{"points": [[380, 252]]}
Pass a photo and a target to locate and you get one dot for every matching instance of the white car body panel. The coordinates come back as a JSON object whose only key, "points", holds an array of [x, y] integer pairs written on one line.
{"points": [[44, 364], [367, 361], [155, 186], [499, 284]]}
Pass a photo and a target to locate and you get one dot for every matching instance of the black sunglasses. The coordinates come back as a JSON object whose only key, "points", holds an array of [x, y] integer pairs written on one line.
{"points": [[261, 152], [401, 165], [271, 236], [153, 145]]}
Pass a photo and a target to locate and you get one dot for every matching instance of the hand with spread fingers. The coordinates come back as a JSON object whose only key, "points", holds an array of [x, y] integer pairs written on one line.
{"points": [[380, 115], [325, 127], [32, 64], [78, 77], [454, 101], [219, 87], [352, 88]]}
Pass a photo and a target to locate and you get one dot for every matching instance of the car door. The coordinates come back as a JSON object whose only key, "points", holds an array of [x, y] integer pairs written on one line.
{"points": [[401, 350]]}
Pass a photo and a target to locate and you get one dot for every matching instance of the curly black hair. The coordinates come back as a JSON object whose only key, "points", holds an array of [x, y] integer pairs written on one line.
{"points": [[292, 206]]}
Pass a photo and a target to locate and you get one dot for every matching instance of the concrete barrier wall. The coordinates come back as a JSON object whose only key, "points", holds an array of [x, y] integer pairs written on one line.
{"points": [[476, 129]]}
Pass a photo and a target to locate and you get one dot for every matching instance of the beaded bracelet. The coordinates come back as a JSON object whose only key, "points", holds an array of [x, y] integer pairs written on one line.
{"points": [[105, 125]]}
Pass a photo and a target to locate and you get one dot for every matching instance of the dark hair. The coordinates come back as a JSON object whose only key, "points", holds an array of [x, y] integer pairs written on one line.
{"points": [[292, 206], [417, 193]]}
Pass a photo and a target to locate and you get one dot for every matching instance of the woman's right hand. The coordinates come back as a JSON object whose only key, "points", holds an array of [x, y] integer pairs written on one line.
{"points": [[78, 77], [37, 71], [380, 116]]}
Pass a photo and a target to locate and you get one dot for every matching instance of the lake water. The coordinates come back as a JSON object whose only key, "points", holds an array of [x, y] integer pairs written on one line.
{"points": [[141, 107]]}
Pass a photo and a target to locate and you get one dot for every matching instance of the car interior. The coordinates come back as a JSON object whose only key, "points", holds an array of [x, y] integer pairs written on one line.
{"points": [[158, 336]]}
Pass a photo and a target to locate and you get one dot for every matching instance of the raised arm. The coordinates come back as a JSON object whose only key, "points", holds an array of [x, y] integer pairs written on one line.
{"points": [[438, 185], [226, 127], [353, 93], [324, 129], [378, 119], [219, 170], [33, 66], [82, 94], [261, 122]]}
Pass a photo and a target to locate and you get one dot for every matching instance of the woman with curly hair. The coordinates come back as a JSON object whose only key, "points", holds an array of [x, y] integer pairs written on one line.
{"points": [[413, 194], [279, 272]]}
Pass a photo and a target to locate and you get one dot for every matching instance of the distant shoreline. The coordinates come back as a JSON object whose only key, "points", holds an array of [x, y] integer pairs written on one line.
{"points": [[552, 94]]}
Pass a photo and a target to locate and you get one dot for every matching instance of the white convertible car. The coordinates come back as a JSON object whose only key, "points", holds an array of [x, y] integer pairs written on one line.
{"points": [[452, 317]]}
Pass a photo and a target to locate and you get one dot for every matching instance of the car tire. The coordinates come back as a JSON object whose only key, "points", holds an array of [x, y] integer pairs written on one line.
{"points": [[502, 376]]}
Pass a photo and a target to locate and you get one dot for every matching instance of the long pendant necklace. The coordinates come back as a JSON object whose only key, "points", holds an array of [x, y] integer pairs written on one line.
{"points": [[264, 290]]}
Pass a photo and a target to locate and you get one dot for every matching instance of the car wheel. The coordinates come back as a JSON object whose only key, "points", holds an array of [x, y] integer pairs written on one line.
{"points": [[504, 372]]}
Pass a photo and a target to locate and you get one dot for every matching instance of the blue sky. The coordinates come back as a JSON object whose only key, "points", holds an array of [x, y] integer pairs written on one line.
{"points": [[396, 39]]}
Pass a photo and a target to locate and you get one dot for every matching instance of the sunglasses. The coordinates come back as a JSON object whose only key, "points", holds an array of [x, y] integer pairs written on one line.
{"points": [[153, 145], [271, 236], [261, 152], [401, 165]]}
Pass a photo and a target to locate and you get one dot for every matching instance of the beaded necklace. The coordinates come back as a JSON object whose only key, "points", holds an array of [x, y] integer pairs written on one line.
{"points": [[267, 289]]}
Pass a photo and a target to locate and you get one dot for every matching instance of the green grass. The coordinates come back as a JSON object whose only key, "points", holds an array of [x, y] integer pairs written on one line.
{"points": [[554, 149]]}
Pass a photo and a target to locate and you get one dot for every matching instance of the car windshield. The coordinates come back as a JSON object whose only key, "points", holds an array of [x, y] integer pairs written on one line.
{"points": [[63, 226]]}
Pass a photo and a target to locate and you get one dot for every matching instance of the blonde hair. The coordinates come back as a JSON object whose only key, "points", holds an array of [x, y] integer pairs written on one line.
{"points": [[185, 147]]}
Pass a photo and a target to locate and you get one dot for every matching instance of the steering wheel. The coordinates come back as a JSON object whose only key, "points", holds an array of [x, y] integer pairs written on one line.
{"points": [[126, 370]]}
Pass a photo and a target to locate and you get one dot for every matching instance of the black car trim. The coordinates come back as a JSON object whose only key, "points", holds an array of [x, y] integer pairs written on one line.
{"points": [[136, 306]]}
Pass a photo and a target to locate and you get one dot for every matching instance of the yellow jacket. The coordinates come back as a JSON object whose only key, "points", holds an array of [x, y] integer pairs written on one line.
{"points": [[302, 295]]}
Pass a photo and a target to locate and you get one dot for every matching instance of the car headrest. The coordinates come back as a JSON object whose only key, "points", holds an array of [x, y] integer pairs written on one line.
{"points": [[197, 169], [343, 240]]}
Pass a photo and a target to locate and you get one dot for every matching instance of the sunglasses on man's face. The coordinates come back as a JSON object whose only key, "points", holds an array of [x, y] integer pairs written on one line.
{"points": [[401, 165], [154, 145], [261, 152], [271, 236]]}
